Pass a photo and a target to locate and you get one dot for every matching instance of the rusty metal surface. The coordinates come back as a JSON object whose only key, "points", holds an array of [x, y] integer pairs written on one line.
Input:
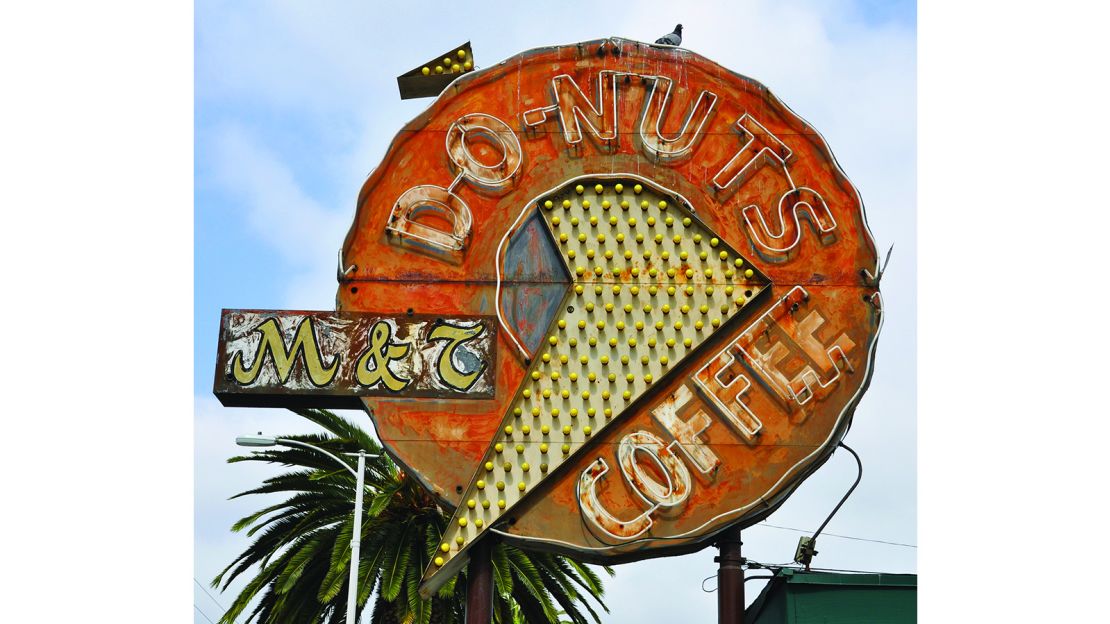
{"points": [[276, 357], [726, 431]]}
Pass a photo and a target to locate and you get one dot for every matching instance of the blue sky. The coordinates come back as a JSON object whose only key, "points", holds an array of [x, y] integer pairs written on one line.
{"points": [[296, 103]]}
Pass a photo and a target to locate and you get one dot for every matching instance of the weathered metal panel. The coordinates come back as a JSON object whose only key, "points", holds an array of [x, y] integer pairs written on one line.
{"points": [[268, 357]]}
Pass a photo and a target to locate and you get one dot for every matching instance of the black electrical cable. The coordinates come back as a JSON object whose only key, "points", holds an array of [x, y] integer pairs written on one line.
{"points": [[859, 465]]}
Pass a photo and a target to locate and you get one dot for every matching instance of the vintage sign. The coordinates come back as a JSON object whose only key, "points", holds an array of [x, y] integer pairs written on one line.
{"points": [[684, 288], [272, 357]]}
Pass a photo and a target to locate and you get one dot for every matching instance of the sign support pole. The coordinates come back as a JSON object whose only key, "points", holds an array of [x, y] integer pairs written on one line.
{"points": [[479, 584], [730, 578]]}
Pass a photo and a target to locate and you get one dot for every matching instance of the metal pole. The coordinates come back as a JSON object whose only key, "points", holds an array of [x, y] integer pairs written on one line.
{"points": [[479, 584], [730, 579], [356, 540]]}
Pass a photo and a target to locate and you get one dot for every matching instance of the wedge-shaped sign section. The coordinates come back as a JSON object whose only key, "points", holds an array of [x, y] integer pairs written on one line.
{"points": [[651, 284], [273, 357], [431, 78]]}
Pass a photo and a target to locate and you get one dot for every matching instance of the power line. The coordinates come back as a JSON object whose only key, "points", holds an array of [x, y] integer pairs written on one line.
{"points": [[859, 539], [202, 614], [209, 595]]}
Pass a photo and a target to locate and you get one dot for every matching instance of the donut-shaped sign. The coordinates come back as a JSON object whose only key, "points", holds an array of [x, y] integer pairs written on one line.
{"points": [[684, 288]]}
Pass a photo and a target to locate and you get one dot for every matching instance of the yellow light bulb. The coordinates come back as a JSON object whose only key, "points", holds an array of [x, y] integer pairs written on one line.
{"points": [[425, 70], [462, 522]]}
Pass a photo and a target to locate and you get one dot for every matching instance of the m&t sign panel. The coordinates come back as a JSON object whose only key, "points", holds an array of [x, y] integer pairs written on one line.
{"points": [[271, 357]]}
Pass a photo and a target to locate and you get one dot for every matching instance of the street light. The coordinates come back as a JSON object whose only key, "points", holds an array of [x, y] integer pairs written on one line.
{"points": [[356, 534]]}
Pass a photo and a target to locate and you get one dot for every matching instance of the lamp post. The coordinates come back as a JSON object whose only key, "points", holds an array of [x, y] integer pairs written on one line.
{"points": [[356, 534]]}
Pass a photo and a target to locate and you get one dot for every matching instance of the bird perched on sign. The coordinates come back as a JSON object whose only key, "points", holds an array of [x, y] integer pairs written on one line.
{"points": [[672, 38]]}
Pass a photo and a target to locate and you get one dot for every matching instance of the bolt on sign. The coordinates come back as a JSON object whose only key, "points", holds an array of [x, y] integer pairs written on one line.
{"points": [[653, 277]]}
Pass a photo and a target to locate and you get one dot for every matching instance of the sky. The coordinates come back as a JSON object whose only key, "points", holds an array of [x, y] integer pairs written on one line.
{"points": [[295, 103]]}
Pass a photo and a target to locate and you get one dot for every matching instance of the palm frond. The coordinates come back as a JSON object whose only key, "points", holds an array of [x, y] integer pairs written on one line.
{"points": [[299, 556]]}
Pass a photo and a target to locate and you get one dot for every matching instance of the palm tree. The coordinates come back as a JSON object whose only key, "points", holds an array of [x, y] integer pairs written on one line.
{"points": [[302, 548]]}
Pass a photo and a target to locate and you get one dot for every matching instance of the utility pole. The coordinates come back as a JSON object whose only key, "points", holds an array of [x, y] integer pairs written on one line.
{"points": [[730, 578], [479, 584]]}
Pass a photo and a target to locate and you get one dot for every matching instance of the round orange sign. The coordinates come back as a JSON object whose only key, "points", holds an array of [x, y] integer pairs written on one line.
{"points": [[683, 284]]}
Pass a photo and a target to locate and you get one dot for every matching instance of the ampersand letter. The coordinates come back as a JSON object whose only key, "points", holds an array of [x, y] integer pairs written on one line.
{"points": [[382, 351]]}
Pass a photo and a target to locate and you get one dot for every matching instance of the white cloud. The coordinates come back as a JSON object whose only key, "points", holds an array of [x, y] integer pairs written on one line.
{"points": [[302, 232]]}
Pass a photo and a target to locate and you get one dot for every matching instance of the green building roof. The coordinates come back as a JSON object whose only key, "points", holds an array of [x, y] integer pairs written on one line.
{"points": [[796, 597]]}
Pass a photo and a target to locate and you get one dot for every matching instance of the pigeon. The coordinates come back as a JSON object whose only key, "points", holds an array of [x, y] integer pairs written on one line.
{"points": [[672, 38]]}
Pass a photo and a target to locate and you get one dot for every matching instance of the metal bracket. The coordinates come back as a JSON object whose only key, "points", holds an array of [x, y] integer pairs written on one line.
{"points": [[874, 280], [340, 272], [807, 550]]}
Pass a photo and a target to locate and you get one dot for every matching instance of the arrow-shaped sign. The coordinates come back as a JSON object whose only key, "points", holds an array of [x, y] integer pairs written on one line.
{"points": [[651, 283]]}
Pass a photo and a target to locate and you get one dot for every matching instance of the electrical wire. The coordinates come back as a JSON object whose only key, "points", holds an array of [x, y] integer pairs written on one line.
{"points": [[202, 614], [209, 595], [802, 569], [859, 539]]}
